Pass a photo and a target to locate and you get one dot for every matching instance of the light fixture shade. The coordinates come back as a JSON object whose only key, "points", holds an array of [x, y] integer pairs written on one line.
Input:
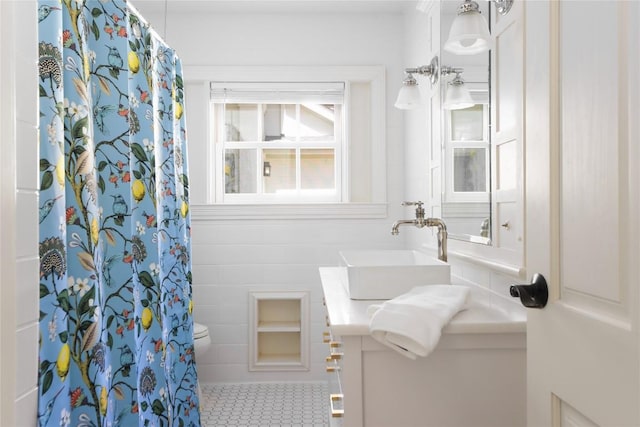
{"points": [[457, 97], [409, 97], [469, 34]]}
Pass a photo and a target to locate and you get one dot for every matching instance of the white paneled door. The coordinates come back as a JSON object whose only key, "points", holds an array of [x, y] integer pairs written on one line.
{"points": [[582, 211]]}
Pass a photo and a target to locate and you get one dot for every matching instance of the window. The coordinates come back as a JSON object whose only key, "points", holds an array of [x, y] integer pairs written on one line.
{"points": [[360, 156], [467, 154], [279, 142]]}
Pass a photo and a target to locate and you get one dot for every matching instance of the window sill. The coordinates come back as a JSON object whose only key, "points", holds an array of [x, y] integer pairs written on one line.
{"points": [[289, 211]]}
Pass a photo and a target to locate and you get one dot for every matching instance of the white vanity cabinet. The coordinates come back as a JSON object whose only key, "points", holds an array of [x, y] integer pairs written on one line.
{"points": [[475, 377]]}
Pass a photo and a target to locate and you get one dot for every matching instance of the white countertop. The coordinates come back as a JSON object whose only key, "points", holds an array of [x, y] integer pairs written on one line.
{"points": [[349, 317]]}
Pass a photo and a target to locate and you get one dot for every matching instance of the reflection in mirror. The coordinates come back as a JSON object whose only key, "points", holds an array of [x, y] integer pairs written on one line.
{"points": [[466, 141]]}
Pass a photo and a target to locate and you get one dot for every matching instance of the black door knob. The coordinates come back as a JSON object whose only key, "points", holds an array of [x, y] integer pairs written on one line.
{"points": [[534, 295]]}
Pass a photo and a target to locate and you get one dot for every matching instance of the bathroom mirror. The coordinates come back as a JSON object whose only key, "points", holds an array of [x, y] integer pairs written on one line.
{"points": [[465, 136]]}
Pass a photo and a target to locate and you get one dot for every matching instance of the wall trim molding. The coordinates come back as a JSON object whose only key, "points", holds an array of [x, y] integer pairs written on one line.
{"points": [[289, 211], [8, 188], [500, 267]]}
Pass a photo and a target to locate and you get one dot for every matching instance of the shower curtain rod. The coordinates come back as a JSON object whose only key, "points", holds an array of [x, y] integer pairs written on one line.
{"points": [[151, 29]]}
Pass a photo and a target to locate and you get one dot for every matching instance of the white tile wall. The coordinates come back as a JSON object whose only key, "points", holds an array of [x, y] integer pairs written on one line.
{"points": [[232, 258], [26, 374], [27, 220], [27, 292], [26, 133], [26, 144], [26, 409]]}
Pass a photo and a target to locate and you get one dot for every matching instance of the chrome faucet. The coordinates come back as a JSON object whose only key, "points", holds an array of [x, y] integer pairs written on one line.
{"points": [[421, 222]]}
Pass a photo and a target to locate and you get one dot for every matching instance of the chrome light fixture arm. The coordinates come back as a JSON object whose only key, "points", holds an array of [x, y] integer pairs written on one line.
{"points": [[431, 70], [503, 6], [445, 70]]}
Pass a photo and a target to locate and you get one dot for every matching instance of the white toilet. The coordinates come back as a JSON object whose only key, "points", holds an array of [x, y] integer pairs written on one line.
{"points": [[201, 343], [201, 339]]}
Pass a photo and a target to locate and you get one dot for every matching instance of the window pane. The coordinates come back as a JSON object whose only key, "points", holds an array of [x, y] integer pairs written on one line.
{"points": [[273, 114], [317, 169], [317, 122], [240, 171], [282, 165], [241, 122], [466, 124], [289, 122], [469, 169]]}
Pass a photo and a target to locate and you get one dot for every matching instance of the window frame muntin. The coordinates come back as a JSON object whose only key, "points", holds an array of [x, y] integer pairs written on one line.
{"points": [[340, 146]]}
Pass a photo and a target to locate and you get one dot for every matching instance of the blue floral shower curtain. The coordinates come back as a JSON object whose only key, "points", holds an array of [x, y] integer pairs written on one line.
{"points": [[116, 343]]}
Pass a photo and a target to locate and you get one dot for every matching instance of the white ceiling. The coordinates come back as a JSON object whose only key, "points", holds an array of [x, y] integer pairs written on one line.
{"points": [[274, 6]]}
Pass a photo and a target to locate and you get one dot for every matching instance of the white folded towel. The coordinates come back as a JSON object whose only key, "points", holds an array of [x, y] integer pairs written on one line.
{"points": [[412, 323]]}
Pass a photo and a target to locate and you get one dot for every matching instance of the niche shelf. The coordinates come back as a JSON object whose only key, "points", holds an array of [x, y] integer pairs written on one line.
{"points": [[279, 338]]}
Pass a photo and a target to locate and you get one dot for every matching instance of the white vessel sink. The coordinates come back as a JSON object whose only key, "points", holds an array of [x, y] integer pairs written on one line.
{"points": [[386, 274]]}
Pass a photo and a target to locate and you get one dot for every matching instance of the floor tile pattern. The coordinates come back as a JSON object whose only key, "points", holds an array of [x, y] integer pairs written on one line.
{"points": [[297, 404]]}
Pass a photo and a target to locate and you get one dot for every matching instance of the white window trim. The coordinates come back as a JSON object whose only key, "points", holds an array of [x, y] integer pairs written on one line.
{"points": [[376, 207]]}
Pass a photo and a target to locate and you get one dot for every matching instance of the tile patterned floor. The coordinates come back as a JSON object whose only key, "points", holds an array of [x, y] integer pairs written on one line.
{"points": [[297, 404]]}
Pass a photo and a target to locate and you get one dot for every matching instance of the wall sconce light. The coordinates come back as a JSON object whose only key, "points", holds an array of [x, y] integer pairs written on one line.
{"points": [[457, 96], [469, 33], [409, 95], [266, 169]]}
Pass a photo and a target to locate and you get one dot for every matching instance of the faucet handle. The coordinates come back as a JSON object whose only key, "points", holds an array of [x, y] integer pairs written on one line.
{"points": [[419, 211]]}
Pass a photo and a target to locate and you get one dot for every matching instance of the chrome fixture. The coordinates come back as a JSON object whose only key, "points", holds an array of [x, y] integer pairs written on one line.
{"points": [[503, 6], [469, 33], [409, 94], [457, 96], [422, 222]]}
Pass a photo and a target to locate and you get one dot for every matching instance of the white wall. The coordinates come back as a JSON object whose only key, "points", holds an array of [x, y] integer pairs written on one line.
{"points": [[19, 247], [232, 257], [421, 43]]}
